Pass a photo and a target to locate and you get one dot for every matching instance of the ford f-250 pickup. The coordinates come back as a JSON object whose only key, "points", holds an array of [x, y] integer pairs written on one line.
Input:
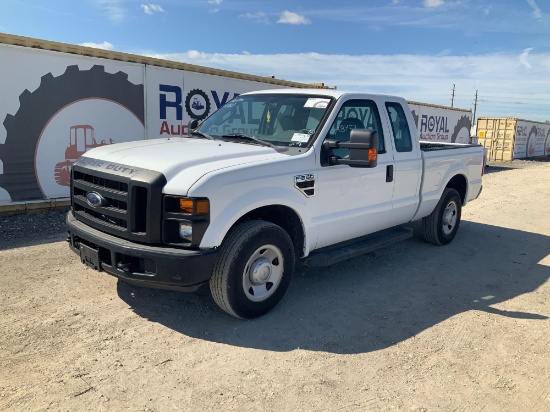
{"points": [[271, 177]]}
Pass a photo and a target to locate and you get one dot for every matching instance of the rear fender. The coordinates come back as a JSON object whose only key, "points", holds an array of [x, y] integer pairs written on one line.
{"points": [[429, 196]]}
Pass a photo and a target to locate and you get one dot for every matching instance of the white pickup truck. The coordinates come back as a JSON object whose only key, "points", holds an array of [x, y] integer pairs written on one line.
{"points": [[271, 177]]}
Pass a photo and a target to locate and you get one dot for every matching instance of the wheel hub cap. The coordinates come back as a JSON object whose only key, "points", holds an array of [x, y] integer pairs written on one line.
{"points": [[449, 218], [263, 273], [260, 271]]}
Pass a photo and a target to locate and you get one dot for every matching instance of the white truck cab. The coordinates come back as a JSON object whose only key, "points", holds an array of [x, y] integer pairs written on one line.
{"points": [[271, 177]]}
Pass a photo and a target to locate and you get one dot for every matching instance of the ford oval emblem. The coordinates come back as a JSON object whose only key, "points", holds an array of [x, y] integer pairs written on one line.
{"points": [[94, 199]]}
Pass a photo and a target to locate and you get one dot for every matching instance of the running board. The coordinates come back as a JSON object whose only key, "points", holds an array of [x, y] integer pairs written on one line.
{"points": [[356, 247]]}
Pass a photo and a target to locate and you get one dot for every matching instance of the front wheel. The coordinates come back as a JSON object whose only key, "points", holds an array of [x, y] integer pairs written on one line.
{"points": [[253, 270], [441, 225]]}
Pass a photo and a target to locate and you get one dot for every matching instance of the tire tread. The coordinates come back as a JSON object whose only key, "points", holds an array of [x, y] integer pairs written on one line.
{"points": [[231, 246], [431, 223]]}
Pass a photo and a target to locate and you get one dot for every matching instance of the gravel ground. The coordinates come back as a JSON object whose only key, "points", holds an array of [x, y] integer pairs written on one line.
{"points": [[32, 229], [413, 327]]}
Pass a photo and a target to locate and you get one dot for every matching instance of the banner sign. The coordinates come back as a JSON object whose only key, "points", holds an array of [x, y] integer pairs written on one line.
{"points": [[176, 97], [531, 139], [57, 106], [441, 124]]}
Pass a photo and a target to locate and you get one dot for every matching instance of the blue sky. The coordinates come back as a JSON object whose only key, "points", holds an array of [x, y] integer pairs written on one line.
{"points": [[414, 48]]}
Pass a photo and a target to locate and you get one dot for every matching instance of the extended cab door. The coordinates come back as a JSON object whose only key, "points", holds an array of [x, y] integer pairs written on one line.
{"points": [[353, 201], [407, 162]]}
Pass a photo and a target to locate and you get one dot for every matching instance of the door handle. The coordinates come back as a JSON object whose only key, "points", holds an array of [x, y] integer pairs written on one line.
{"points": [[389, 173]]}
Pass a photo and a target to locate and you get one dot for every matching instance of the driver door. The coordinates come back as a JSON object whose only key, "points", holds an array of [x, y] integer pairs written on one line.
{"points": [[353, 201]]}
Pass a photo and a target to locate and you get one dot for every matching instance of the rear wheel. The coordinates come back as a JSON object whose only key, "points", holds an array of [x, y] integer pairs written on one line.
{"points": [[441, 225], [254, 268]]}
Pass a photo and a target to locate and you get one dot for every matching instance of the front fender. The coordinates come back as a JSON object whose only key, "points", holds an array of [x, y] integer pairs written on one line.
{"points": [[222, 219]]}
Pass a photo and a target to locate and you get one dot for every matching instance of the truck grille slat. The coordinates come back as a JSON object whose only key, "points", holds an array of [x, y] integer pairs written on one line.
{"points": [[119, 213], [102, 182], [79, 185], [103, 220]]}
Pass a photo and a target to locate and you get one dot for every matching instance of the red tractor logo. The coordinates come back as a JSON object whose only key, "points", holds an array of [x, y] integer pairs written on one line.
{"points": [[81, 139]]}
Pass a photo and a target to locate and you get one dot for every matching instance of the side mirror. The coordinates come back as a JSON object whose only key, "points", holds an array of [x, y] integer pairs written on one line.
{"points": [[363, 147], [192, 125], [367, 147]]}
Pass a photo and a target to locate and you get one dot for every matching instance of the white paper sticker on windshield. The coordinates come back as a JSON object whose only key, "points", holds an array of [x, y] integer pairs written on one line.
{"points": [[300, 137], [317, 103]]}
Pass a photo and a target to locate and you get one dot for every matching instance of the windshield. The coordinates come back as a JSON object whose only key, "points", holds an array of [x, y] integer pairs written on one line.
{"points": [[279, 119]]}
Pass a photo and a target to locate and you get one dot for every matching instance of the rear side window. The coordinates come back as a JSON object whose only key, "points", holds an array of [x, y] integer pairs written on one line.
{"points": [[400, 127]]}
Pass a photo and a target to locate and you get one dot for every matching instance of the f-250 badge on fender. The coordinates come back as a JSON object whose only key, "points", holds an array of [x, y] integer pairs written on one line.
{"points": [[305, 184]]}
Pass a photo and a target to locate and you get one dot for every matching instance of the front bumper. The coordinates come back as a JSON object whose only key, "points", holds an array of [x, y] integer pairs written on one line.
{"points": [[144, 265]]}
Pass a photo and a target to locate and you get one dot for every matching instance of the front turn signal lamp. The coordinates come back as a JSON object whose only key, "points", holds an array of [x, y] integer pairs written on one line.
{"points": [[188, 205], [194, 206]]}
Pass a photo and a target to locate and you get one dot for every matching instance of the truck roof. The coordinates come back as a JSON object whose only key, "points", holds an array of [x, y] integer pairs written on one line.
{"points": [[320, 92], [339, 93]]}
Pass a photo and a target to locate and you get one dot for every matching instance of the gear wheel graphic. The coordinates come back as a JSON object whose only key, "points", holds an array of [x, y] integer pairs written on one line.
{"points": [[189, 103], [415, 116], [38, 107], [463, 122]]}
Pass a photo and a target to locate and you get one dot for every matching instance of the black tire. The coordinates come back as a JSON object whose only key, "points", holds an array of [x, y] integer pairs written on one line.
{"points": [[463, 122], [232, 284], [37, 108], [441, 225]]}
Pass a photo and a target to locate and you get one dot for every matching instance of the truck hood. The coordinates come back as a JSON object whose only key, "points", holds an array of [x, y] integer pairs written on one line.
{"points": [[172, 156]]}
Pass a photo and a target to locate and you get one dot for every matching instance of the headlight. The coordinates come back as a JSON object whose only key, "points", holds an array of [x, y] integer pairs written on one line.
{"points": [[186, 231], [184, 220]]}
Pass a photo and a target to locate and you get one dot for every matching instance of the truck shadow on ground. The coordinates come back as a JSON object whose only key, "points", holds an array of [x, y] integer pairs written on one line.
{"points": [[373, 301], [497, 168]]}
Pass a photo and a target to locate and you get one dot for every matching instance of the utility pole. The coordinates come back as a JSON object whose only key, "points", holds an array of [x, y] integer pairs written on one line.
{"points": [[475, 107], [453, 97]]}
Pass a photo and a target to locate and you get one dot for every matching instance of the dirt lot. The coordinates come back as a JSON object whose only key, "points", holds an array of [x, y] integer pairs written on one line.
{"points": [[410, 328]]}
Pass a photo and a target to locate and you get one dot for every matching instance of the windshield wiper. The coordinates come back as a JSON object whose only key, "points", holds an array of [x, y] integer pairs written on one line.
{"points": [[201, 134], [251, 138]]}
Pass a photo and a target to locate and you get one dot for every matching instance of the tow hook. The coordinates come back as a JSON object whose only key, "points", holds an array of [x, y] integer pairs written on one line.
{"points": [[125, 267]]}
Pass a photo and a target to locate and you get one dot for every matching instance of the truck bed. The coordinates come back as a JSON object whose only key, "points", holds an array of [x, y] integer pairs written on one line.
{"points": [[440, 162]]}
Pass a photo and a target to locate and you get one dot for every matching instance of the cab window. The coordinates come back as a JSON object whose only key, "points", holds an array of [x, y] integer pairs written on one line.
{"points": [[280, 119], [400, 127], [356, 114]]}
